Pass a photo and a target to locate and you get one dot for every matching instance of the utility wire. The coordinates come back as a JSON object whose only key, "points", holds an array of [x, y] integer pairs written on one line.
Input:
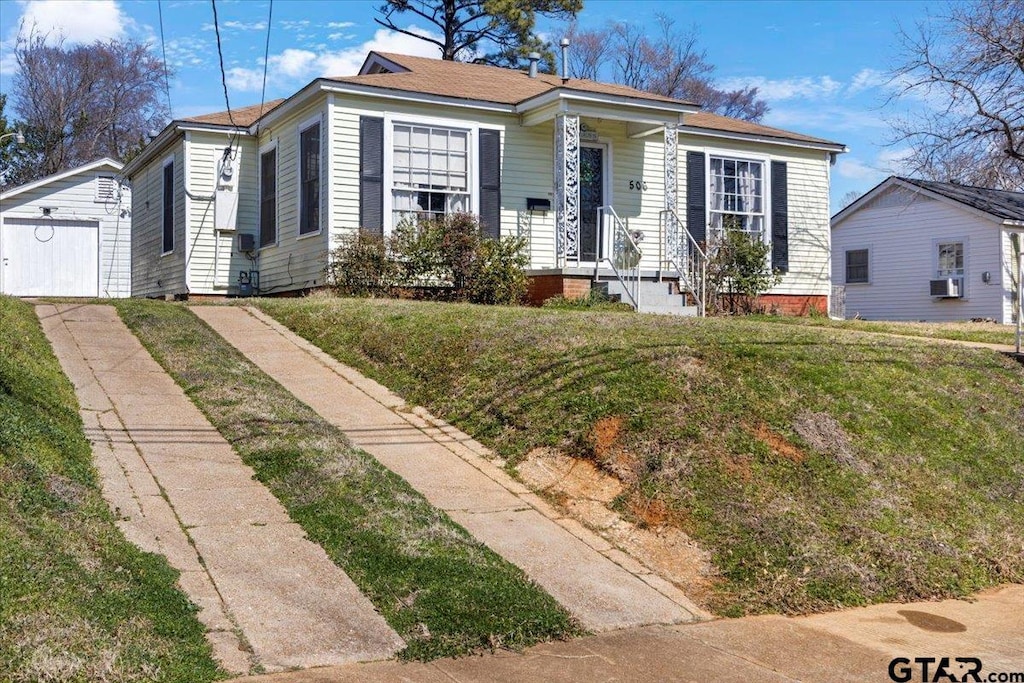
{"points": [[163, 50], [266, 58], [224, 79]]}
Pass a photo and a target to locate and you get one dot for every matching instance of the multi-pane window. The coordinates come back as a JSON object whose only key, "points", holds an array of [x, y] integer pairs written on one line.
{"points": [[430, 172], [950, 259], [856, 266], [268, 197], [309, 181], [736, 200], [168, 208]]}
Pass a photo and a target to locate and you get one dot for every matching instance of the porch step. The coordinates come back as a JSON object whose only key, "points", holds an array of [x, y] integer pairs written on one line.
{"points": [[662, 297]]}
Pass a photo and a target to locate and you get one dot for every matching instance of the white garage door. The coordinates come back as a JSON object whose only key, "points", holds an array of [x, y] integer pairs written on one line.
{"points": [[43, 257]]}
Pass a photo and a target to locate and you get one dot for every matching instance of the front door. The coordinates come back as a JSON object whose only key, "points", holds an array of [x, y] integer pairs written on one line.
{"points": [[592, 180]]}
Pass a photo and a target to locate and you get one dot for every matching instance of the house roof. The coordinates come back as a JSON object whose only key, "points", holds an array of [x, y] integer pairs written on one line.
{"points": [[482, 82], [708, 121], [113, 164], [1000, 205], [242, 117]]}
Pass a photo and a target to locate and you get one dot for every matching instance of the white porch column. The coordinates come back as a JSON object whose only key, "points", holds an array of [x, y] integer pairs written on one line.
{"points": [[671, 167], [567, 188]]}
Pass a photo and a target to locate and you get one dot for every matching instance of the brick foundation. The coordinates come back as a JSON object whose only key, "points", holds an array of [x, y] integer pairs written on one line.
{"points": [[793, 304], [543, 287]]}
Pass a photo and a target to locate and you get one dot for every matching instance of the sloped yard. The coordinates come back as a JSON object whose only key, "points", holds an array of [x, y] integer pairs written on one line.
{"points": [[819, 467], [77, 601]]}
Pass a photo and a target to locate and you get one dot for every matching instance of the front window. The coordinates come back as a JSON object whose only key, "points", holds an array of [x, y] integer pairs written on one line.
{"points": [[309, 183], [737, 197], [430, 172], [950, 259]]}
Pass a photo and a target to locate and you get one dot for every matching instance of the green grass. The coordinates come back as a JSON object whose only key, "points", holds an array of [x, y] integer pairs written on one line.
{"points": [[442, 591], [77, 601], [821, 468], [986, 333]]}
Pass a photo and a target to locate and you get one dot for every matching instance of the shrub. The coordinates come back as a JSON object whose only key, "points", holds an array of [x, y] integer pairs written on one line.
{"points": [[444, 258], [363, 265], [738, 271]]}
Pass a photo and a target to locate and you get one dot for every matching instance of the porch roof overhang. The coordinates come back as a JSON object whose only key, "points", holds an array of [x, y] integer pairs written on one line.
{"points": [[647, 116]]}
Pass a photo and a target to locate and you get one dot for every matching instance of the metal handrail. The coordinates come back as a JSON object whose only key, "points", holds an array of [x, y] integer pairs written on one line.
{"points": [[625, 250], [686, 256]]}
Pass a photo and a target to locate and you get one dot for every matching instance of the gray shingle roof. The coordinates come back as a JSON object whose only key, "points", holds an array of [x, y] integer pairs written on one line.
{"points": [[999, 203]]}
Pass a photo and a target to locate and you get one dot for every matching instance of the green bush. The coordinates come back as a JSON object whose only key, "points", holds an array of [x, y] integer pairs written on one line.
{"points": [[738, 271], [444, 258], [363, 265]]}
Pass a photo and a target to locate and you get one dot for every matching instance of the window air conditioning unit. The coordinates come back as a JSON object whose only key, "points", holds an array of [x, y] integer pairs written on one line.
{"points": [[947, 288]]}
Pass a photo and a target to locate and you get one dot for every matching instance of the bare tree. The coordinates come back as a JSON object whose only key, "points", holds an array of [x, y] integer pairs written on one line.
{"points": [[962, 82], [85, 102], [504, 27], [669, 63]]}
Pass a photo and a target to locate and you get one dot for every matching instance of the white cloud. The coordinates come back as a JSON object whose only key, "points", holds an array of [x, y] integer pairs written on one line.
{"points": [[867, 79], [78, 21], [243, 26], [340, 24], [887, 162], [806, 87], [299, 64]]}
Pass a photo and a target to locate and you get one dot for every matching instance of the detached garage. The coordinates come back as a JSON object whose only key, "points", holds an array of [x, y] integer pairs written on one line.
{"points": [[67, 235]]}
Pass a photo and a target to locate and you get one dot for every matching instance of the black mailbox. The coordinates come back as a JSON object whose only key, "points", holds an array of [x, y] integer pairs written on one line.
{"points": [[537, 204]]}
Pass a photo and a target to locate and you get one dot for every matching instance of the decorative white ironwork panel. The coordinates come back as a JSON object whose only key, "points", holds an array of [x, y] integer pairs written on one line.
{"points": [[567, 187], [671, 146]]}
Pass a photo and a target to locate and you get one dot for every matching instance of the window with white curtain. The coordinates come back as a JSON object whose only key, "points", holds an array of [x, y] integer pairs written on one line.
{"points": [[950, 261], [430, 172], [736, 200]]}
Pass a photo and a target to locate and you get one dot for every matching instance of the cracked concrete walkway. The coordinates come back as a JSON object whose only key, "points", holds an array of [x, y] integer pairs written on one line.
{"points": [[268, 596], [601, 586]]}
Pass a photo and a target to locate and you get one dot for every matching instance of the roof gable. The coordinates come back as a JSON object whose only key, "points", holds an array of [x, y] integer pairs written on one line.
{"points": [[105, 162], [995, 205]]}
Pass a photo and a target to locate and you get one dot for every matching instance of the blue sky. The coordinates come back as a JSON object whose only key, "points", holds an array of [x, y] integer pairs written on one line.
{"points": [[820, 65]]}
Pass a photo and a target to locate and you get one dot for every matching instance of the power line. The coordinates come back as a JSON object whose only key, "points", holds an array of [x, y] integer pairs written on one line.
{"points": [[163, 50], [220, 56], [266, 58]]}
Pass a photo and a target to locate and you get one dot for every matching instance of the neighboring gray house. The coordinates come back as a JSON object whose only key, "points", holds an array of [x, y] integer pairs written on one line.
{"points": [[576, 167], [67, 234], [922, 250]]}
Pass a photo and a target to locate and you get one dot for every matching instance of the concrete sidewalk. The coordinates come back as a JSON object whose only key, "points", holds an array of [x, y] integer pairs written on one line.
{"points": [[601, 586], [268, 596], [853, 645]]}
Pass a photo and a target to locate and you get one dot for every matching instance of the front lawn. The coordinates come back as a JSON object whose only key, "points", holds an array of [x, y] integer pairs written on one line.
{"points": [[77, 601], [986, 333], [822, 468]]}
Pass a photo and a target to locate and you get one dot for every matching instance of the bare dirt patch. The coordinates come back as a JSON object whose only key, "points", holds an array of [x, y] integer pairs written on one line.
{"points": [[777, 442], [584, 492]]}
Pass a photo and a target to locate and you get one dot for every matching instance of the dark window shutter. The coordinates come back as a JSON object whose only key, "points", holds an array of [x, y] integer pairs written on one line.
{"points": [[490, 183], [168, 208], [780, 217], [696, 196], [268, 197], [371, 174]]}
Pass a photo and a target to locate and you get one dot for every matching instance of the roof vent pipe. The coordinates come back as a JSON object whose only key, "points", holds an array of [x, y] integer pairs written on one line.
{"points": [[534, 57], [565, 59]]}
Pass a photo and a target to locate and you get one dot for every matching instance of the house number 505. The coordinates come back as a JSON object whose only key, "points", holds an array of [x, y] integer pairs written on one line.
{"points": [[638, 185]]}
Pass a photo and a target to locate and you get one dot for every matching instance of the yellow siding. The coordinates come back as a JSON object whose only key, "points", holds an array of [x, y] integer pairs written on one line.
{"points": [[154, 274], [294, 262]]}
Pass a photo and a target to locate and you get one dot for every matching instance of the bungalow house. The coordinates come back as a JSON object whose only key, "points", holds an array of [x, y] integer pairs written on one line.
{"points": [[922, 250], [589, 173], [67, 234]]}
